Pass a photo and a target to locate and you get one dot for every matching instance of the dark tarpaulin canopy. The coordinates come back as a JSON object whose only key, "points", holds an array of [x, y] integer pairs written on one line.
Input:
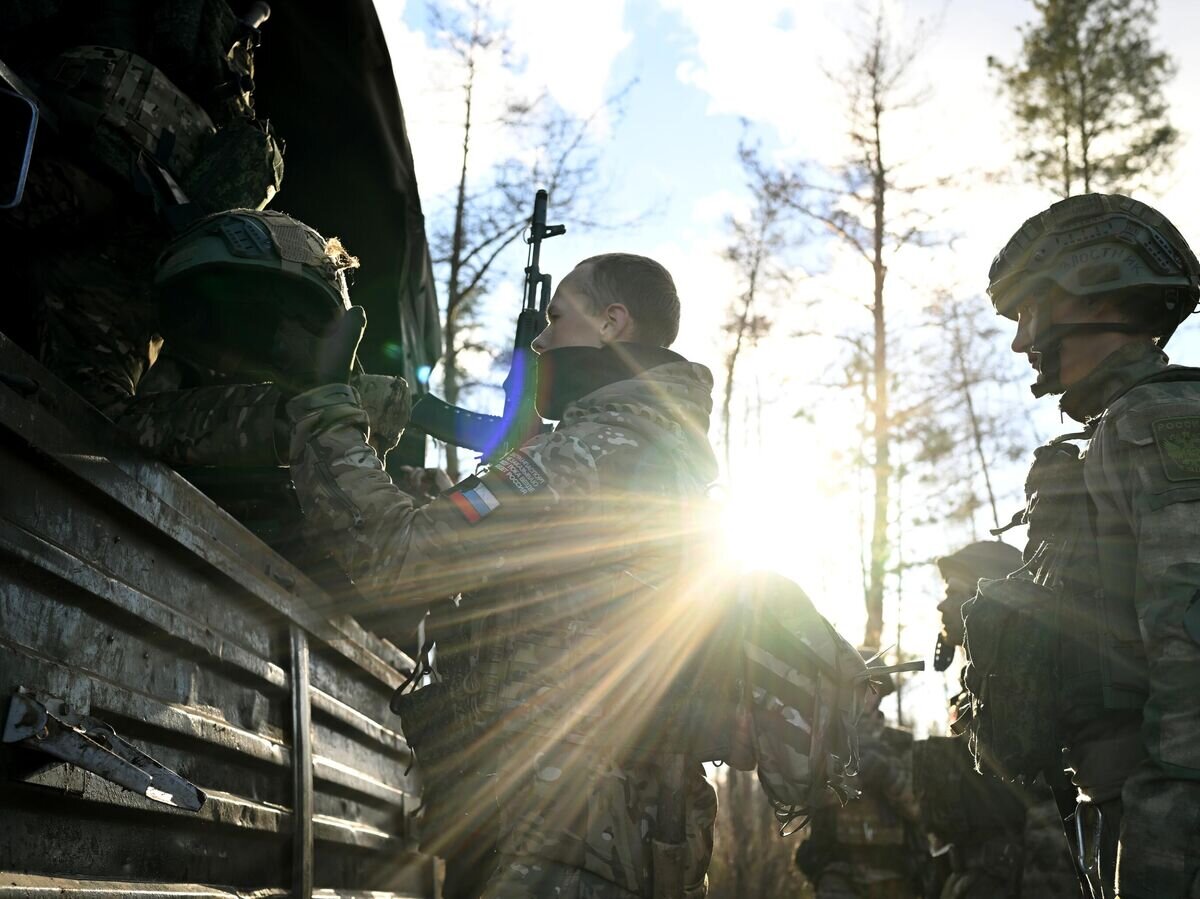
{"points": [[324, 78]]}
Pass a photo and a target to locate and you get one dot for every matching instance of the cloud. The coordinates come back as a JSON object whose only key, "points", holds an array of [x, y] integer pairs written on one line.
{"points": [[550, 58]]}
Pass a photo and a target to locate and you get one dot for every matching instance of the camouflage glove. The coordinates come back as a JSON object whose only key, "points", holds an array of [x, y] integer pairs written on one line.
{"points": [[321, 409], [424, 485], [387, 402]]}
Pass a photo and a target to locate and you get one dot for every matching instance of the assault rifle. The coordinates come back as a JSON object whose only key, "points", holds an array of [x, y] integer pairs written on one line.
{"points": [[494, 435]]}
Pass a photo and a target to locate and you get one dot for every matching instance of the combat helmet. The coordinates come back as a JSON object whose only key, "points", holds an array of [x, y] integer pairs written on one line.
{"points": [[989, 559], [1091, 246], [227, 285]]}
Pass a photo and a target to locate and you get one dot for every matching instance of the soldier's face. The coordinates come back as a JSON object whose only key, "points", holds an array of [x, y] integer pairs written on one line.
{"points": [[958, 591], [570, 320], [1078, 354]]}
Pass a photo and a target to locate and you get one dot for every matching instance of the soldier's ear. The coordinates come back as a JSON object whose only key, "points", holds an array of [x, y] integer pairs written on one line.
{"points": [[618, 323]]}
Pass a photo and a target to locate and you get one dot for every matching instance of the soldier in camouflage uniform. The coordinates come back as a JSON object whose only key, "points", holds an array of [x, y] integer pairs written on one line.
{"points": [[565, 553], [1005, 840], [871, 847], [150, 120], [242, 298], [1097, 284]]}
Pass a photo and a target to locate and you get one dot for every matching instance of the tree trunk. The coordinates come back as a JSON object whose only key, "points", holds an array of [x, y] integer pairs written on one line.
{"points": [[1066, 156], [732, 358], [882, 467], [453, 283], [976, 429]]}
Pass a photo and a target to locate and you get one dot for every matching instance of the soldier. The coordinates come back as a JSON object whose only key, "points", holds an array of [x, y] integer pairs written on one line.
{"points": [[871, 847], [1097, 284], [150, 120], [565, 553], [242, 296], [1004, 840]]}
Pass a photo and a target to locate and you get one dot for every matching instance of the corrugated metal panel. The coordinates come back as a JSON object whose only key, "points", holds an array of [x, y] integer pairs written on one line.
{"points": [[127, 594]]}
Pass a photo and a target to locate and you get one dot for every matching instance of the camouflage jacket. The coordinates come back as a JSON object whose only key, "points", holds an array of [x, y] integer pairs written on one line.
{"points": [[876, 837], [1136, 634], [557, 550]]}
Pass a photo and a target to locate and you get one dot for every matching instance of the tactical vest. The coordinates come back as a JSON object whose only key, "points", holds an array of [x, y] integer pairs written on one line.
{"points": [[865, 831], [1040, 645], [567, 659], [1072, 623], [160, 97], [959, 804]]}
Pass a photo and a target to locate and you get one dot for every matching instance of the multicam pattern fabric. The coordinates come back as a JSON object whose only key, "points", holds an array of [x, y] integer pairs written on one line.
{"points": [[387, 402], [870, 847], [89, 263], [543, 573], [807, 687]]}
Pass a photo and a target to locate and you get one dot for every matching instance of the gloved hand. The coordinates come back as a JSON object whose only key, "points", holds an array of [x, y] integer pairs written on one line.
{"points": [[312, 360], [387, 402], [424, 485]]}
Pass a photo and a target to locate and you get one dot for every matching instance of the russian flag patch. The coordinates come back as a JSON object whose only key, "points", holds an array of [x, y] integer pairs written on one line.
{"points": [[475, 502]]}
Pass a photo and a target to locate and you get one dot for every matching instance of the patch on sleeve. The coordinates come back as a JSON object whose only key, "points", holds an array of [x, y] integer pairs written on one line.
{"points": [[520, 473], [1178, 442], [474, 500]]}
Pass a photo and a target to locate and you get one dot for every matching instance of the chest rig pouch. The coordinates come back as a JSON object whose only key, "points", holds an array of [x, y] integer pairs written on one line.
{"points": [[957, 804], [1016, 625], [1012, 667]]}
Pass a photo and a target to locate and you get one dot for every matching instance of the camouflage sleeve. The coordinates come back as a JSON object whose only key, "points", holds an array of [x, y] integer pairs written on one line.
{"points": [[532, 512], [889, 777], [1144, 476], [229, 425]]}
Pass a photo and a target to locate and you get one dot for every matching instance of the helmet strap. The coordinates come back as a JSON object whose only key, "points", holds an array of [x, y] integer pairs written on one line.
{"points": [[1048, 344]]}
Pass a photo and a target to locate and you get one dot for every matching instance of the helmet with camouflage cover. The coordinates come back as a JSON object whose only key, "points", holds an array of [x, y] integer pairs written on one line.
{"points": [[1097, 246], [227, 285], [962, 570]]}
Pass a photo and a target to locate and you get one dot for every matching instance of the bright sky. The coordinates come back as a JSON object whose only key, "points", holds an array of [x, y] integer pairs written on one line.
{"points": [[702, 67]]}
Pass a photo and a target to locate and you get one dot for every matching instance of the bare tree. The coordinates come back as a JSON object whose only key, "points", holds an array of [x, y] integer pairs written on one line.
{"points": [[864, 206], [490, 209], [758, 244], [960, 438]]}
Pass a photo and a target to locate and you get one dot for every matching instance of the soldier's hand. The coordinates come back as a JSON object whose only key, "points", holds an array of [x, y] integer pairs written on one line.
{"points": [[310, 360], [388, 402], [423, 484]]}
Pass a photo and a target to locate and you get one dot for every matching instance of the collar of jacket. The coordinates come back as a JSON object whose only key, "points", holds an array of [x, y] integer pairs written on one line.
{"points": [[1115, 375], [569, 373]]}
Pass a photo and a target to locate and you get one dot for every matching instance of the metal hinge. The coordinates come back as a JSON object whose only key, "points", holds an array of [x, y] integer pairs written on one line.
{"points": [[45, 724]]}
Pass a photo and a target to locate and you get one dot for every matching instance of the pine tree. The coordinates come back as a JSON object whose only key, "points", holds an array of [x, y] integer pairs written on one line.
{"points": [[1087, 95]]}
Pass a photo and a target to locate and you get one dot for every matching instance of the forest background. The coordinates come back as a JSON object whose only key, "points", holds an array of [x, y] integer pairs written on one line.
{"points": [[828, 183]]}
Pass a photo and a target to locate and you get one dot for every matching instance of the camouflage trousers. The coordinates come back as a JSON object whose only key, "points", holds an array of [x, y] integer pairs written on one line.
{"points": [[1149, 840], [536, 878], [567, 824]]}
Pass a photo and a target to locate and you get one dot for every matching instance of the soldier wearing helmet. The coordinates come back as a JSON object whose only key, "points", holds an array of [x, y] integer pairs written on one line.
{"points": [[1097, 285], [1001, 840], [960, 571], [243, 300]]}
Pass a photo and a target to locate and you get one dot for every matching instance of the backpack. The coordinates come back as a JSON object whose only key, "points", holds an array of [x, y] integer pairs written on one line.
{"points": [[805, 688]]}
